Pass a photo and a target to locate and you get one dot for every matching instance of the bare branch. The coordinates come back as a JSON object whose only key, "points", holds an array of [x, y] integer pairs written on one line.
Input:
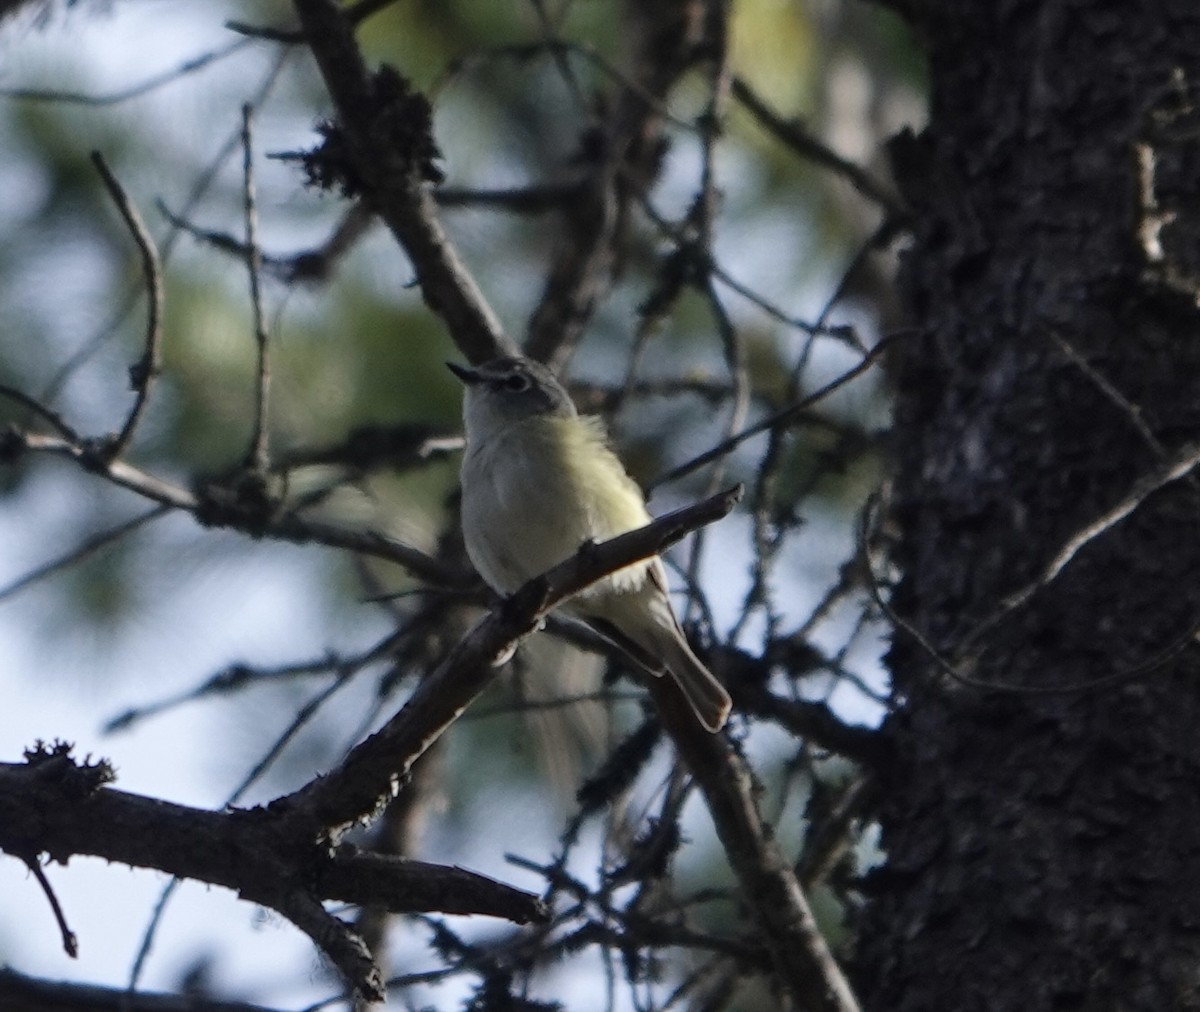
{"points": [[396, 188], [84, 352], [36, 407], [219, 507], [334, 938], [19, 993], [133, 91], [146, 370], [517, 200], [397, 447], [356, 14], [69, 939], [779, 419], [811, 720], [257, 457], [94, 459], [51, 805], [307, 266], [959, 669], [1179, 466], [666, 43], [793, 134], [80, 551], [800, 954], [831, 837], [374, 770]]}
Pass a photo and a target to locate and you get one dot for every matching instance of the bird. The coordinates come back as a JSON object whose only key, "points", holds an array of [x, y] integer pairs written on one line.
{"points": [[538, 481]]}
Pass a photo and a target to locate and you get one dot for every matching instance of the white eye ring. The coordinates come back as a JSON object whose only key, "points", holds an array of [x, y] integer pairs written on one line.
{"points": [[517, 383]]}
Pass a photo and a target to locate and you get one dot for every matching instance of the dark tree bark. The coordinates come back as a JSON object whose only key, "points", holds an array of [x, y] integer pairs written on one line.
{"points": [[1043, 847]]}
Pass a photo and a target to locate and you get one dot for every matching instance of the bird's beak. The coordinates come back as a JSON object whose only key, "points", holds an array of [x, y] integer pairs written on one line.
{"points": [[467, 375]]}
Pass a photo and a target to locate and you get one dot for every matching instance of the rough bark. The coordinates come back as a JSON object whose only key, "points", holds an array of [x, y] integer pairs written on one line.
{"points": [[1042, 846]]}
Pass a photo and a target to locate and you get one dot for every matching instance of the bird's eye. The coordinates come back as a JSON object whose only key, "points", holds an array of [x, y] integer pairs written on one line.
{"points": [[518, 383]]}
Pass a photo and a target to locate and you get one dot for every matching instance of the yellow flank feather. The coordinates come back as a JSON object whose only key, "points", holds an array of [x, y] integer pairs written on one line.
{"points": [[613, 500]]}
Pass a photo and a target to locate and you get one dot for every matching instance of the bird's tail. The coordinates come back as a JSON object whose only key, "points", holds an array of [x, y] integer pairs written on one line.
{"points": [[706, 696], [653, 639]]}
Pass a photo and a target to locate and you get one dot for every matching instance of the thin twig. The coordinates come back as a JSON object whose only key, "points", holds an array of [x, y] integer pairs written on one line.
{"points": [[794, 135], [559, 54], [81, 551], [284, 36], [1180, 466], [86, 349], [678, 234], [735, 361], [524, 51], [780, 418], [150, 934], [831, 837], [311, 265], [70, 941], [626, 165], [133, 91], [258, 455], [36, 407], [840, 332], [768, 533], [887, 231], [958, 671], [143, 374], [1131, 411], [287, 526]]}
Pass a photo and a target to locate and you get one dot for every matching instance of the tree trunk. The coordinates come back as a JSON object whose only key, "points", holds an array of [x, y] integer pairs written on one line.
{"points": [[1043, 842]]}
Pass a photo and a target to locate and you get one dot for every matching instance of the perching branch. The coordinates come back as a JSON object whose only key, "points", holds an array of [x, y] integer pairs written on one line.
{"points": [[273, 856], [375, 769]]}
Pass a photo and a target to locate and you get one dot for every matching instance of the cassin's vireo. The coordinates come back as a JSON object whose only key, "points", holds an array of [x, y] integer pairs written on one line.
{"points": [[538, 480]]}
